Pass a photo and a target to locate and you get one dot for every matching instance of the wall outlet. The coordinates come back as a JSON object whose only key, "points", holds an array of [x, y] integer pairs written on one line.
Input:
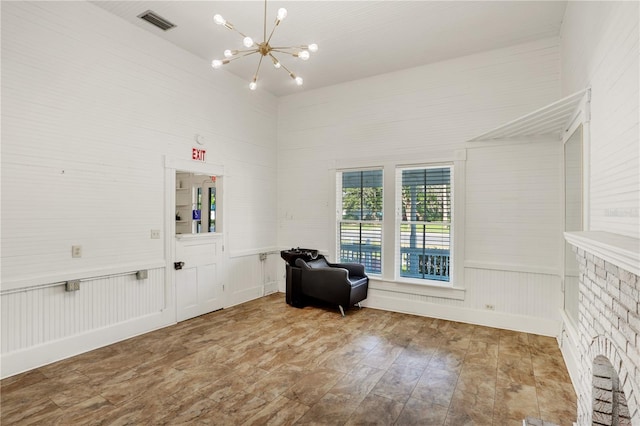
{"points": [[155, 234], [72, 285], [263, 256], [76, 251], [489, 307]]}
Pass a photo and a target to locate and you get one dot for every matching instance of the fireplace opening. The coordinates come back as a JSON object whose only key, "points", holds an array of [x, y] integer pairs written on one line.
{"points": [[609, 402]]}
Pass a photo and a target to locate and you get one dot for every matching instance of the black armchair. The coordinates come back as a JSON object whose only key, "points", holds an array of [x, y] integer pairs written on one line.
{"points": [[342, 284]]}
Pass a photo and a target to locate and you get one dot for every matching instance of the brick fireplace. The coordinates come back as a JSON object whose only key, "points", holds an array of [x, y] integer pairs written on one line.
{"points": [[608, 329]]}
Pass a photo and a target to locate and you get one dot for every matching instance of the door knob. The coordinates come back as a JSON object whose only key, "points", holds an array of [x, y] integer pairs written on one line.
{"points": [[178, 265]]}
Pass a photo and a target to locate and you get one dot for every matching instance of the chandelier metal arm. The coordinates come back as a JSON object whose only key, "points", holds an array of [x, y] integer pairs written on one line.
{"points": [[251, 52], [232, 28], [246, 51], [275, 60], [275, 49], [273, 30], [255, 76], [301, 47], [292, 75]]}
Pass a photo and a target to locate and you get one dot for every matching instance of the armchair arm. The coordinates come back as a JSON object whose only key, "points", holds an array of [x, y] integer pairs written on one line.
{"points": [[355, 269]]}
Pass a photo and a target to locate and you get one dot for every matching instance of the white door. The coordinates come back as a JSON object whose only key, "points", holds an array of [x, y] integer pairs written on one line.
{"points": [[199, 282]]}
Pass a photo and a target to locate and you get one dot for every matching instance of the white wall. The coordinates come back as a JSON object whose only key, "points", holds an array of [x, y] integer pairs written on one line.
{"points": [[600, 49], [599, 43], [512, 247], [91, 106]]}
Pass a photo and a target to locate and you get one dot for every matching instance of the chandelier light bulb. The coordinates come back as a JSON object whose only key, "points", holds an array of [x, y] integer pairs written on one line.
{"points": [[248, 42], [299, 81], [253, 85], [313, 48], [218, 19], [304, 55], [228, 53], [282, 13], [276, 64], [216, 64]]}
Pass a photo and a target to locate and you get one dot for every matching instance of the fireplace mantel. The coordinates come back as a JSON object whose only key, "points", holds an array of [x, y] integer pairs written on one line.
{"points": [[619, 250]]}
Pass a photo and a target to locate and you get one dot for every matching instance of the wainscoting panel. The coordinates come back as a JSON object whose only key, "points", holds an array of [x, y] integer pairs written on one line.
{"points": [[34, 318], [518, 293], [522, 301]]}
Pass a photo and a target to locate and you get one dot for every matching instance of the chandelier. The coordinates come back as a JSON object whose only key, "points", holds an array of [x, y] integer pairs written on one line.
{"points": [[264, 48]]}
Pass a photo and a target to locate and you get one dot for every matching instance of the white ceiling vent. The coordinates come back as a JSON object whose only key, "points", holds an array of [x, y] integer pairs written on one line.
{"points": [[153, 18]]}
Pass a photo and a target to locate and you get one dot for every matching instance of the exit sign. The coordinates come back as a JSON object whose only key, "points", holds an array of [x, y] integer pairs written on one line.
{"points": [[197, 154]]}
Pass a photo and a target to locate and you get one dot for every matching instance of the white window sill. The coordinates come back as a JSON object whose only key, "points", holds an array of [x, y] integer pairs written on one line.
{"points": [[204, 235], [428, 288]]}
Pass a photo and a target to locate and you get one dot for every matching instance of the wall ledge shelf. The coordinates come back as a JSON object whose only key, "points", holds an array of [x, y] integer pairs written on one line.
{"points": [[203, 236], [619, 250]]}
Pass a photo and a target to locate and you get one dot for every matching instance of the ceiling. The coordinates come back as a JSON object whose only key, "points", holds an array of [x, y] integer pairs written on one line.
{"points": [[356, 39]]}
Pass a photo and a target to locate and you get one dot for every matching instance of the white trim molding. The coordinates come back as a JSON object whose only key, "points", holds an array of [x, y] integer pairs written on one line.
{"points": [[532, 269], [36, 356], [444, 291], [523, 323], [37, 282], [619, 250]]}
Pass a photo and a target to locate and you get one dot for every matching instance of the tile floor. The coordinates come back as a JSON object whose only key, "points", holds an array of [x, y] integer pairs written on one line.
{"points": [[266, 363]]}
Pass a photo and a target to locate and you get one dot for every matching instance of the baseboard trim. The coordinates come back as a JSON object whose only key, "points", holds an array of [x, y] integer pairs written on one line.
{"points": [[522, 323], [17, 362], [569, 347], [243, 296]]}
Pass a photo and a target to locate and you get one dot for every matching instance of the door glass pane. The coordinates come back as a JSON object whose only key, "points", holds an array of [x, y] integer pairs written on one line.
{"points": [[212, 210], [198, 211]]}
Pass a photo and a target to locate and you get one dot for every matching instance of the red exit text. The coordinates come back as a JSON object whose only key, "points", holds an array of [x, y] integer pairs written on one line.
{"points": [[198, 154]]}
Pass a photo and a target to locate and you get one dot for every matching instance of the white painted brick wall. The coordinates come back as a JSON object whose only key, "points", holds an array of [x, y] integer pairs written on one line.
{"points": [[609, 326]]}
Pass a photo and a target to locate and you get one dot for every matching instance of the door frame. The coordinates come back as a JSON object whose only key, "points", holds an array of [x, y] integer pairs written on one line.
{"points": [[171, 165]]}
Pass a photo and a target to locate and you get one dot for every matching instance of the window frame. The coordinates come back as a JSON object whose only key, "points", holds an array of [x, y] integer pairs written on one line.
{"points": [[387, 284], [339, 213], [397, 248]]}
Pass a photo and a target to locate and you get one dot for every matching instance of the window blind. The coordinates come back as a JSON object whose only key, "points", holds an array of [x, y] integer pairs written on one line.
{"points": [[423, 200]]}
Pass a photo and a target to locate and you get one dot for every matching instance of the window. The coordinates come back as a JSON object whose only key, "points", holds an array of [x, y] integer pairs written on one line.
{"points": [[196, 202], [424, 228], [360, 218]]}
